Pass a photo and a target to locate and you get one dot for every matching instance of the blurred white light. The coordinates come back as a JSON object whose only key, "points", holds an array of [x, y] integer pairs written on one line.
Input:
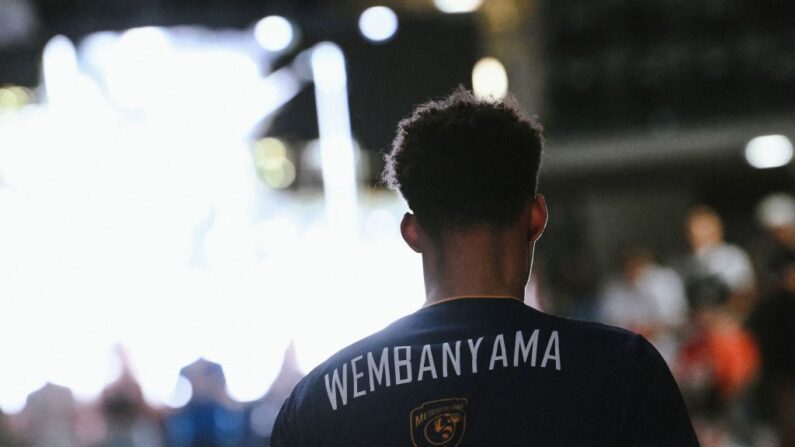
{"points": [[273, 166], [136, 67], [274, 33], [144, 40], [59, 69], [457, 6], [13, 97], [381, 223], [96, 49], [277, 236], [378, 23], [161, 200], [337, 150], [489, 79], [769, 151], [328, 68], [275, 91], [182, 394], [245, 384], [776, 210]]}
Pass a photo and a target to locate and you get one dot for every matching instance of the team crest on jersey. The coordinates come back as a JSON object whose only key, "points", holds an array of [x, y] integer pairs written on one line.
{"points": [[439, 423]]}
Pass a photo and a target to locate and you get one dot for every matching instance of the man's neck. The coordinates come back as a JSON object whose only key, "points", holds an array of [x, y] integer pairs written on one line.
{"points": [[477, 262]]}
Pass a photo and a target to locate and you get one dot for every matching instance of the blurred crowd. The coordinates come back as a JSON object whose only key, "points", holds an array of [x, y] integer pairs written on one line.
{"points": [[724, 320], [121, 417]]}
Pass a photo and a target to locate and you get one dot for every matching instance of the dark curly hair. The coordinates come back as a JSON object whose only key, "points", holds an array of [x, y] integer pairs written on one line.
{"points": [[464, 161]]}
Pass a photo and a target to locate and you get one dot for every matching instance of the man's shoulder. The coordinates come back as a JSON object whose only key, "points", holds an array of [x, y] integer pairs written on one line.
{"points": [[594, 337], [593, 330]]}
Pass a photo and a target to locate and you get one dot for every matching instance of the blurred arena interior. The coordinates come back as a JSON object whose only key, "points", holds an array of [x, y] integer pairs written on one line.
{"points": [[191, 215]]}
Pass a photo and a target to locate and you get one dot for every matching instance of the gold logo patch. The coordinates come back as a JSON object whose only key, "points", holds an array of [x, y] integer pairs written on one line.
{"points": [[439, 423]]}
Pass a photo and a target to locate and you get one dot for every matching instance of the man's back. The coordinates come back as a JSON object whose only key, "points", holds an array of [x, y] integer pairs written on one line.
{"points": [[488, 371]]}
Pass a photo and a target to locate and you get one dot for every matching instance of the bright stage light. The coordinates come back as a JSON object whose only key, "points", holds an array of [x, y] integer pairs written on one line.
{"points": [[14, 97], [328, 68], [337, 150], [769, 151], [144, 40], [776, 210], [458, 6], [274, 33], [378, 23], [182, 394], [140, 60], [273, 166], [164, 201], [59, 70], [489, 79]]}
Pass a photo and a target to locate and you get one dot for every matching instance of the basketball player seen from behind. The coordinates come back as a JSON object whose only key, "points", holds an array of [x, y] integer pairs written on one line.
{"points": [[476, 366]]}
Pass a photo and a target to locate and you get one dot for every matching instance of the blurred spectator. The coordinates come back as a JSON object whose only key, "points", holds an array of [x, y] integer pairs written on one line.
{"points": [[776, 213], [718, 360], [715, 369], [5, 436], [646, 298], [263, 412], [773, 323], [48, 419], [714, 260], [128, 419], [716, 366], [211, 418]]}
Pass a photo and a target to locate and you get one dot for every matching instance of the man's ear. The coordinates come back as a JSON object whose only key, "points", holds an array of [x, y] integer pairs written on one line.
{"points": [[538, 217], [411, 232]]}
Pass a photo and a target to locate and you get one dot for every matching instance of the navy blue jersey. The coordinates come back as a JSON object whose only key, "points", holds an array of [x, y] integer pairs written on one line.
{"points": [[488, 372]]}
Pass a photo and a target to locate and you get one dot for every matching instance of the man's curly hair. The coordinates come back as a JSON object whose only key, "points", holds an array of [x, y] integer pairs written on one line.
{"points": [[464, 161]]}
